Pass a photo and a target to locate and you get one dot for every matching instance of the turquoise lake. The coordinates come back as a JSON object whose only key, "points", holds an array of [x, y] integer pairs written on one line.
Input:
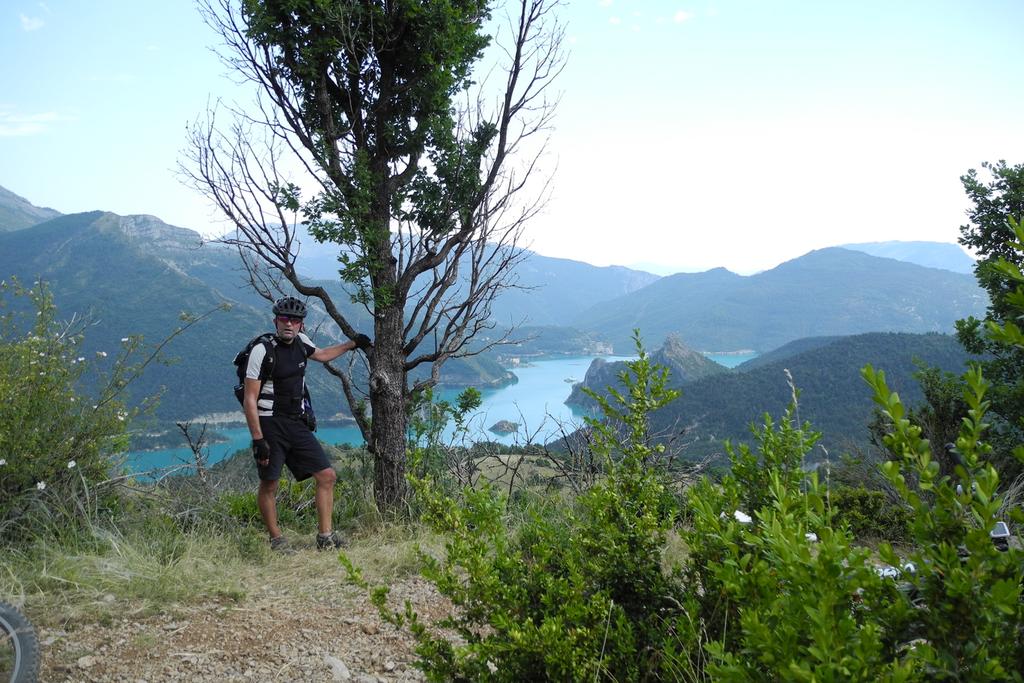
{"points": [[536, 402]]}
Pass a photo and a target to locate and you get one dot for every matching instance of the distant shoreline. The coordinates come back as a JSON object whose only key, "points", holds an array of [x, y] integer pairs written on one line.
{"points": [[150, 441], [237, 419], [741, 352]]}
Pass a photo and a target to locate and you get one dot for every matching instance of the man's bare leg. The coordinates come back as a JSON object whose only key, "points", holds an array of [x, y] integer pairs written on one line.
{"points": [[266, 501], [324, 498]]}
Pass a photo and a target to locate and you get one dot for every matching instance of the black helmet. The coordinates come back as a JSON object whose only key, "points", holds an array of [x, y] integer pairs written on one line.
{"points": [[290, 306]]}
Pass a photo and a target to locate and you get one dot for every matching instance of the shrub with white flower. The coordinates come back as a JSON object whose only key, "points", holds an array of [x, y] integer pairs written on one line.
{"points": [[62, 419]]}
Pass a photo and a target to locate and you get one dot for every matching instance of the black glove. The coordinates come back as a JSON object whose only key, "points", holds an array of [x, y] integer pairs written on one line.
{"points": [[261, 451], [362, 342]]}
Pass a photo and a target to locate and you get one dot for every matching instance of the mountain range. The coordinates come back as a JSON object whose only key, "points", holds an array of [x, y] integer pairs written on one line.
{"points": [[929, 254], [830, 291], [136, 275], [548, 292]]}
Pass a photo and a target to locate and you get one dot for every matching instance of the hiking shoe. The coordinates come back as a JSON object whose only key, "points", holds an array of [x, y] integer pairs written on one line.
{"points": [[280, 545], [328, 542]]}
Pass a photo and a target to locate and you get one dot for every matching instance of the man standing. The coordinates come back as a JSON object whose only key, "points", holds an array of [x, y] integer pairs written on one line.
{"points": [[277, 418]]}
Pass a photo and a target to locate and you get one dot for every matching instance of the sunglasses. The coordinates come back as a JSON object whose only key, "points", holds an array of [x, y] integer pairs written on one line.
{"points": [[284, 319]]}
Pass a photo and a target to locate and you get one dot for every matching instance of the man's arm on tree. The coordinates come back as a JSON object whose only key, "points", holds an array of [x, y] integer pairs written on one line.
{"points": [[329, 353]]}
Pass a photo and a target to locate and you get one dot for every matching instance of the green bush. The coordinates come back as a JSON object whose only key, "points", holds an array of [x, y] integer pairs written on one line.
{"points": [[574, 596], [773, 586], [57, 440], [780, 594], [869, 515], [972, 617]]}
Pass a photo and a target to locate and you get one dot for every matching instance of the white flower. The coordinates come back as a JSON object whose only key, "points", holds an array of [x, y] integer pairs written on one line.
{"points": [[71, 464], [3, 461], [742, 517], [811, 536], [101, 354], [41, 485], [124, 340], [81, 359]]}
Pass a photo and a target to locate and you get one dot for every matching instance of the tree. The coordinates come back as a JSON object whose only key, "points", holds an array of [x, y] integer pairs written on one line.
{"points": [[998, 205], [988, 234], [374, 102]]}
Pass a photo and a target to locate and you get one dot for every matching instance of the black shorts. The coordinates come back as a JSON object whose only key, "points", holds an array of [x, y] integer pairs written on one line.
{"points": [[291, 443]]}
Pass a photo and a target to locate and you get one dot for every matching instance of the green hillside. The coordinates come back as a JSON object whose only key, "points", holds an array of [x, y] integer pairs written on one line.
{"points": [[788, 350], [833, 395], [826, 292], [99, 271]]}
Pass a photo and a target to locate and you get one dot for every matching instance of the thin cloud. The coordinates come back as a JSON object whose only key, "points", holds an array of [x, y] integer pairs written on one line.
{"points": [[681, 16], [31, 23], [20, 125], [46, 8], [605, 3], [614, 21]]}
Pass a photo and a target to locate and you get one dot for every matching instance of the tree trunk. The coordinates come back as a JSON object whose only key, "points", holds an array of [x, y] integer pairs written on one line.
{"points": [[387, 401]]}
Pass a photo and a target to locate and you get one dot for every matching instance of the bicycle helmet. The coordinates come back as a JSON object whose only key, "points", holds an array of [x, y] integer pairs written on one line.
{"points": [[289, 305]]}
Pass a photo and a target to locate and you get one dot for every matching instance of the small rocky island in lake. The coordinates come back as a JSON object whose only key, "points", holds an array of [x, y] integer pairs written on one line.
{"points": [[504, 427]]}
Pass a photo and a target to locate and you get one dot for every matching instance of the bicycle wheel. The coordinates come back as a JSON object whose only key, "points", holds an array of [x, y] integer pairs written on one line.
{"points": [[19, 647]]}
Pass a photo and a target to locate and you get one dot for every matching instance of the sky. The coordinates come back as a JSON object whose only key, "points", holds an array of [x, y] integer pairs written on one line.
{"points": [[689, 135]]}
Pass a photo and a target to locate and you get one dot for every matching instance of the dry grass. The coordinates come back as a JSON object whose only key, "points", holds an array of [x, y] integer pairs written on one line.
{"points": [[164, 570]]}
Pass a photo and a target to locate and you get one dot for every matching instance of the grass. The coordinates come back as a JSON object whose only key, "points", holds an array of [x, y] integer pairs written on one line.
{"points": [[145, 563], [135, 571], [172, 548]]}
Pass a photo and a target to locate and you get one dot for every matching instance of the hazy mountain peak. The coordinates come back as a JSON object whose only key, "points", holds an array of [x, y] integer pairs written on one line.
{"points": [[944, 255], [17, 213], [683, 361], [713, 275], [674, 348], [150, 229]]}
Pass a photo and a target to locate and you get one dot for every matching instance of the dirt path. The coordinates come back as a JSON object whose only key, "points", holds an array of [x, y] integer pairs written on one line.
{"points": [[308, 625]]}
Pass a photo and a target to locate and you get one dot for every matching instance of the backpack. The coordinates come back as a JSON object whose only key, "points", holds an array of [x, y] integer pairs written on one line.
{"points": [[241, 362]]}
